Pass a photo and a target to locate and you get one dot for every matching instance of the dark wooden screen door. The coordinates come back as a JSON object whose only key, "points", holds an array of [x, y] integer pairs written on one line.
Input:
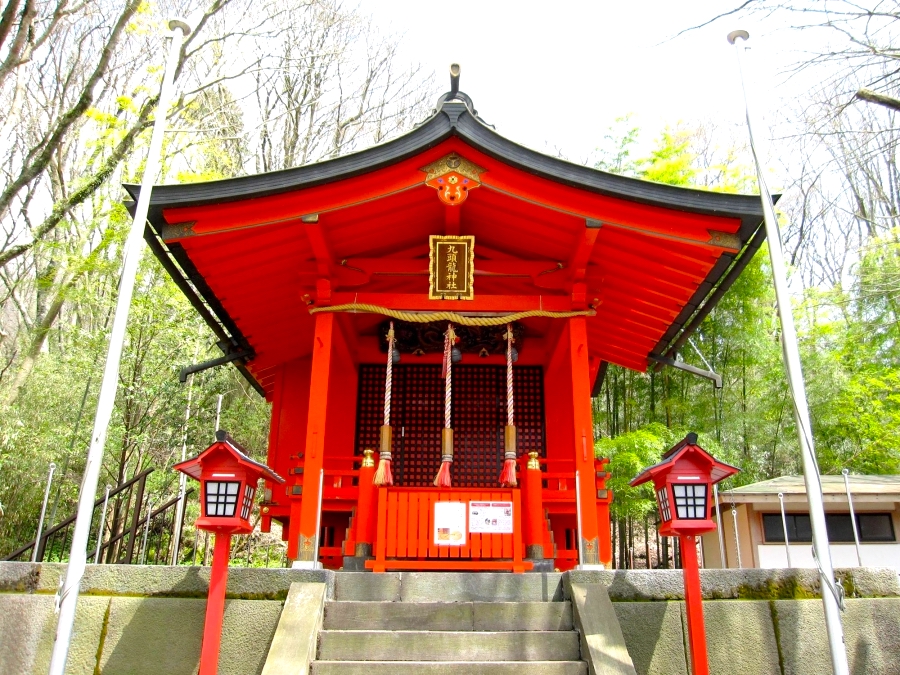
{"points": [[478, 418]]}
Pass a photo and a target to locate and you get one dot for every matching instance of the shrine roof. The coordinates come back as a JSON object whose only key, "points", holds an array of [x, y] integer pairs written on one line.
{"points": [[656, 257], [671, 457], [452, 119]]}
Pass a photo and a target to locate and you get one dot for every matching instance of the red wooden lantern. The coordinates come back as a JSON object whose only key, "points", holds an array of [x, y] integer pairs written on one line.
{"points": [[228, 479], [683, 482]]}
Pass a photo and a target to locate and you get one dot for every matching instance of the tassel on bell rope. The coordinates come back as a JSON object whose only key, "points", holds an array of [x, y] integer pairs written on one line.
{"points": [[383, 475], [508, 475], [443, 477]]}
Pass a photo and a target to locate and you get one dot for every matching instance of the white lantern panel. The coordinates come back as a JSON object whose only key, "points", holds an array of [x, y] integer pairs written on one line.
{"points": [[690, 501], [247, 503], [662, 497], [221, 498]]}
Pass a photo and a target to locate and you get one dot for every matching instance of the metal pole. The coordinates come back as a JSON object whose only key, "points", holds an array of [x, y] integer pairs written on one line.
{"points": [[182, 479], [100, 528], [578, 517], [146, 532], [719, 528], [832, 596], [846, 473], [787, 546], [218, 412], [737, 539], [68, 593], [40, 530]]}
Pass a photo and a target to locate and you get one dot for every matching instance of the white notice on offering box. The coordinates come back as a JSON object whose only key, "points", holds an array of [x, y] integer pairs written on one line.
{"points": [[450, 524], [490, 517]]}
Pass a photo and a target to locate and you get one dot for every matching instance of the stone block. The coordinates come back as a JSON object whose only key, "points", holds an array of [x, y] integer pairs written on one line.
{"points": [[485, 587], [740, 637], [449, 668], [367, 586], [160, 580], [294, 645], [493, 616], [19, 577], [28, 629], [247, 632], [871, 633], [602, 644], [447, 646], [654, 636], [163, 635], [440, 616], [153, 635], [733, 584]]}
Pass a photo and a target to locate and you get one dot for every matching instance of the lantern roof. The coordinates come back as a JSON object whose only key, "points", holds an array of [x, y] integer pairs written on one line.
{"points": [[224, 443], [651, 259], [686, 449]]}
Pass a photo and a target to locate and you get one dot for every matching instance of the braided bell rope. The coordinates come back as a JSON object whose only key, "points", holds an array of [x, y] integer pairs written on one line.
{"points": [[389, 375], [462, 319], [509, 376], [449, 338]]}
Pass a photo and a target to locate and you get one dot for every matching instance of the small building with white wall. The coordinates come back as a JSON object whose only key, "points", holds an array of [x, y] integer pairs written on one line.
{"points": [[755, 512]]}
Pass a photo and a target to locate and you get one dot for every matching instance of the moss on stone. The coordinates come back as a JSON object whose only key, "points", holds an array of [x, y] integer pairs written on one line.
{"points": [[775, 589]]}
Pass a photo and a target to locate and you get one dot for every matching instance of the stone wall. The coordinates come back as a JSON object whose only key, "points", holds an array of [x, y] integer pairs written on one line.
{"points": [[758, 622], [135, 620]]}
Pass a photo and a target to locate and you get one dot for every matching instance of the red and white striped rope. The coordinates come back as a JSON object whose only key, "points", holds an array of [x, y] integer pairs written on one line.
{"points": [[448, 365], [389, 375], [509, 376]]}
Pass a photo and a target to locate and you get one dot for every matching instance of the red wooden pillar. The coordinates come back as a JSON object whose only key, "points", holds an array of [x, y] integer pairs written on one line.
{"points": [[534, 509], [365, 508], [584, 437], [322, 356], [215, 605], [693, 601], [604, 499]]}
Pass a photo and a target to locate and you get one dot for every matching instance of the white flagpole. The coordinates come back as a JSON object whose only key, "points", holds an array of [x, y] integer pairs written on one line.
{"points": [[832, 594], [68, 593]]}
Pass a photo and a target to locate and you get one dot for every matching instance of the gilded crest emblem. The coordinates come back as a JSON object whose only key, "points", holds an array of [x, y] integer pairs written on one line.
{"points": [[453, 177]]}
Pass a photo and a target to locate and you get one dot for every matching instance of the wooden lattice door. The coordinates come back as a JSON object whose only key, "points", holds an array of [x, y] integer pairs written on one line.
{"points": [[478, 418]]}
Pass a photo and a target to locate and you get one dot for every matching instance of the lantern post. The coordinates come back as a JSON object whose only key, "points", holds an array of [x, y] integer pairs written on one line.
{"points": [[228, 479], [683, 483]]}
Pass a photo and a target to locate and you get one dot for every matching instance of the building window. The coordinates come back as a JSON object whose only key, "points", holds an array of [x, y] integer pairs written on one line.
{"points": [[872, 527]]}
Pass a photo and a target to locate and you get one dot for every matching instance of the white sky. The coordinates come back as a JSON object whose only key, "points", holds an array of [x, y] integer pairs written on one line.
{"points": [[555, 75]]}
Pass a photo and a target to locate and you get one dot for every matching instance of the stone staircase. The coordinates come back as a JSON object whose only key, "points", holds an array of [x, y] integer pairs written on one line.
{"points": [[464, 624]]}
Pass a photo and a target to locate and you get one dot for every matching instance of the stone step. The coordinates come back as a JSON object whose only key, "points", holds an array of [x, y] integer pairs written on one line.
{"points": [[449, 668], [372, 645], [449, 616], [448, 587]]}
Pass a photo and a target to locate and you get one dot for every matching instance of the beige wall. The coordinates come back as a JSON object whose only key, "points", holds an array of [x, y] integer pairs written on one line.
{"points": [[755, 552]]}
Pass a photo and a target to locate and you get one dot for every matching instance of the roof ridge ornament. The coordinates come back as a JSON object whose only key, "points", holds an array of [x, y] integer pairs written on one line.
{"points": [[455, 94]]}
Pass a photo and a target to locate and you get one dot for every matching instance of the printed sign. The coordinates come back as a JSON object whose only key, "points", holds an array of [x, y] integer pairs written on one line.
{"points": [[450, 524], [452, 267], [490, 517]]}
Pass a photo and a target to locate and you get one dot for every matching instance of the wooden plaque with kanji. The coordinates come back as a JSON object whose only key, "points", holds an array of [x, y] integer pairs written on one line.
{"points": [[451, 267]]}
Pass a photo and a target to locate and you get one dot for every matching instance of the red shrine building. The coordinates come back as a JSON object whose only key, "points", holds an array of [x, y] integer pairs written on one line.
{"points": [[433, 314]]}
